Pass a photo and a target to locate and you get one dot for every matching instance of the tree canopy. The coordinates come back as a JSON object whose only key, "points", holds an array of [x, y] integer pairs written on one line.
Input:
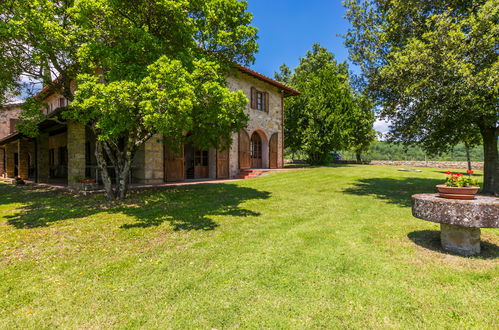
{"points": [[432, 67], [326, 116], [141, 67]]}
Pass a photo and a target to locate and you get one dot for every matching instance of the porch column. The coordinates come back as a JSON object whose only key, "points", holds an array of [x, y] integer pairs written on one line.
{"points": [[154, 160], [42, 158], [10, 150], [76, 152], [23, 165]]}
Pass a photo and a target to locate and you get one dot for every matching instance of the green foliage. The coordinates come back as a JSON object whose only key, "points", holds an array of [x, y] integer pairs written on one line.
{"points": [[142, 67], [363, 135], [170, 100], [433, 68], [383, 150], [326, 115]]}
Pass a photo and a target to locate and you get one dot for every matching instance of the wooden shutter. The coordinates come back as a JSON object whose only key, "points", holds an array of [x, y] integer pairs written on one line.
{"points": [[253, 97], [222, 164], [244, 150], [267, 102], [273, 150], [174, 164]]}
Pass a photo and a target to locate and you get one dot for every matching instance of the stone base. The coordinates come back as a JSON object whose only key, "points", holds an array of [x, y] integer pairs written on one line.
{"points": [[460, 240]]}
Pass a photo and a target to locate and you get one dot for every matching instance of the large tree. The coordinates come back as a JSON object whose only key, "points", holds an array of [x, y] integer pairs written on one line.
{"points": [[142, 67], [327, 115], [363, 134], [433, 68]]}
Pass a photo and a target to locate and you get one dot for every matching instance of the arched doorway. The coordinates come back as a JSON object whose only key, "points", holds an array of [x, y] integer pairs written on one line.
{"points": [[256, 150]]}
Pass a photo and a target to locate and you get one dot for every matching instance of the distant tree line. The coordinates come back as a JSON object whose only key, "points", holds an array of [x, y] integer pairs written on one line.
{"points": [[383, 150]]}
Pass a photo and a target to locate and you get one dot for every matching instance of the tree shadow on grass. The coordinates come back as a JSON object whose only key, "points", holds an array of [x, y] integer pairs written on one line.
{"points": [[190, 208], [393, 191], [430, 239], [185, 208]]}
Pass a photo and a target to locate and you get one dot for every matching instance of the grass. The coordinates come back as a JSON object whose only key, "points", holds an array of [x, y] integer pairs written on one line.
{"points": [[322, 247]]}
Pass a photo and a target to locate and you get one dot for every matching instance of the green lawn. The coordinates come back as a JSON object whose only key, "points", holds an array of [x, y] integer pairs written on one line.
{"points": [[318, 247]]}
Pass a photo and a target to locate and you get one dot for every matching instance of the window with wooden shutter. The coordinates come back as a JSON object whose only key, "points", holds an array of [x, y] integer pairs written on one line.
{"points": [[259, 100], [253, 97], [13, 124]]}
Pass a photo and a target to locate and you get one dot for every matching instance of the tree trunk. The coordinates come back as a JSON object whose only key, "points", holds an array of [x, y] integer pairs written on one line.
{"points": [[491, 161], [468, 158], [102, 164], [122, 178], [358, 157]]}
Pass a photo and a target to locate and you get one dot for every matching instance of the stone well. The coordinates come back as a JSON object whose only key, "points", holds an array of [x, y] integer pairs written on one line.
{"points": [[460, 220]]}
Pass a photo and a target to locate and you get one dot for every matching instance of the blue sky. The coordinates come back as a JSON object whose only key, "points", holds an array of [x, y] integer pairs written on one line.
{"points": [[288, 28]]}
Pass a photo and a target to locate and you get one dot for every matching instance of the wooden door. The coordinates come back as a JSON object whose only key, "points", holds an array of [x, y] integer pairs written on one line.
{"points": [[174, 164], [201, 169], [223, 164], [256, 151], [244, 150], [273, 148]]}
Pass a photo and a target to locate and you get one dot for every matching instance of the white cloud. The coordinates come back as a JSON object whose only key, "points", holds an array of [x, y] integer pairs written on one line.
{"points": [[382, 126]]}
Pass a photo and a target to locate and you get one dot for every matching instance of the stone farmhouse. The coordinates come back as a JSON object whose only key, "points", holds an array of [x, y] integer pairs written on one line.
{"points": [[63, 153]]}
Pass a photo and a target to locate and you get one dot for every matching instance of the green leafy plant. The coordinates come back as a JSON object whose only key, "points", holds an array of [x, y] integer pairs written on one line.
{"points": [[460, 180]]}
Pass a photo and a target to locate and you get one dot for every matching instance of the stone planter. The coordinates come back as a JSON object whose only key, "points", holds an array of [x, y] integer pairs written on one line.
{"points": [[457, 192], [460, 220]]}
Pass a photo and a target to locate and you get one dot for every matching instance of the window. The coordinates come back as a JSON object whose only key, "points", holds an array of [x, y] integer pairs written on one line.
{"points": [[13, 124], [259, 100], [201, 158], [62, 102]]}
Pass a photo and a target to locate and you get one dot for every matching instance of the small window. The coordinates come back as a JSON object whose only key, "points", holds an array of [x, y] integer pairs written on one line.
{"points": [[259, 100], [13, 125], [62, 102]]}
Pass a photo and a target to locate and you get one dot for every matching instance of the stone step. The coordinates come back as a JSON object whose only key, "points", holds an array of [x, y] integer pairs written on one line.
{"points": [[250, 173]]}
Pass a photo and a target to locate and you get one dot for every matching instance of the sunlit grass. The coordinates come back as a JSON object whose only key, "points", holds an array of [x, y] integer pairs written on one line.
{"points": [[316, 247]]}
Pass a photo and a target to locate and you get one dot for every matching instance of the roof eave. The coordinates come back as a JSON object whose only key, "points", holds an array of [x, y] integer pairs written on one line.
{"points": [[286, 90]]}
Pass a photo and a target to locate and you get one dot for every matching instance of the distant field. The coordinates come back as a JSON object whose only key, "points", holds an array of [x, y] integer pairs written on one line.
{"points": [[321, 247]]}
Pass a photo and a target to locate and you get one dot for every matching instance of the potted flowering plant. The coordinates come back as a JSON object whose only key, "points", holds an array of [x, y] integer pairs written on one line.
{"points": [[459, 186]]}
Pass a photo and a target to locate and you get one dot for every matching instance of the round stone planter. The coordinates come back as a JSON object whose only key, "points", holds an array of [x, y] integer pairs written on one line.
{"points": [[457, 192], [460, 220]]}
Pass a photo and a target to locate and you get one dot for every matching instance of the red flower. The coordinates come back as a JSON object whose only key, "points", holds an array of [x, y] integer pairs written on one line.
{"points": [[454, 177], [459, 174], [469, 171], [448, 172]]}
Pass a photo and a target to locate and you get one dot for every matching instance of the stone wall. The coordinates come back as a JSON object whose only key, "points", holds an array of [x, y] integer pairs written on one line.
{"points": [[5, 115], [149, 162], [433, 164], [76, 152], [266, 124]]}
